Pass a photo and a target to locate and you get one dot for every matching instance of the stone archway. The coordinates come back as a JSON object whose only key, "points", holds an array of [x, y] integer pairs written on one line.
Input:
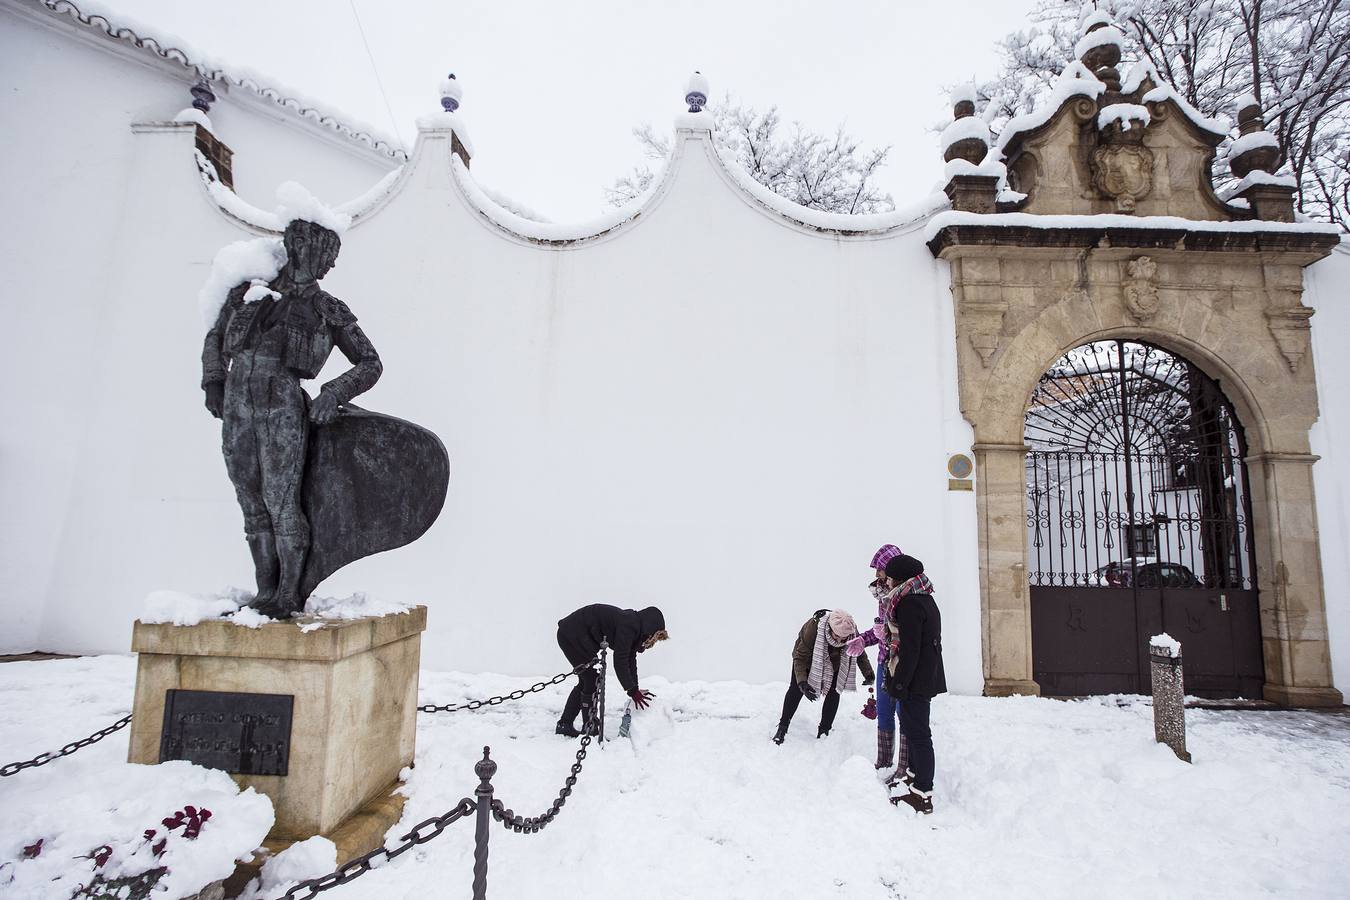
{"points": [[1025, 296]]}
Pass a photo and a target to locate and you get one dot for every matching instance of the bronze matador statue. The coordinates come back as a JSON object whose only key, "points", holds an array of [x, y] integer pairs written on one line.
{"points": [[317, 491]]}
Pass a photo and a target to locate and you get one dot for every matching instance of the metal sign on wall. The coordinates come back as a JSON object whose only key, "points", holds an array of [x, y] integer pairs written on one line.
{"points": [[244, 734]]}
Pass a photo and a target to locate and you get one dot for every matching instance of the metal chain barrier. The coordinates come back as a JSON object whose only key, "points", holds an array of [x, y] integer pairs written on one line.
{"points": [[43, 758], [513, 695], [423, 832], [535, 824]]}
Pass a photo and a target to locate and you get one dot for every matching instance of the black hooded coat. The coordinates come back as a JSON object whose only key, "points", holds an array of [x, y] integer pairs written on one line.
{"points": [[580, 634]]}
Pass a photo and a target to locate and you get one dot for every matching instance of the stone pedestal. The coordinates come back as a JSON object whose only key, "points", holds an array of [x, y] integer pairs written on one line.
{"points": [[1169, 698], [354, 715]]}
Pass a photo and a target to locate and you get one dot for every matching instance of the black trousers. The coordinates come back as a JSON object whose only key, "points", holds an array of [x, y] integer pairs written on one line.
{"points": [[584, 690], [914, 723], [793, 698]]}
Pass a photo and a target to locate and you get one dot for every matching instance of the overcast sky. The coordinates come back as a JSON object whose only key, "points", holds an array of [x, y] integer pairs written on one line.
{"points": [[552, 90]]}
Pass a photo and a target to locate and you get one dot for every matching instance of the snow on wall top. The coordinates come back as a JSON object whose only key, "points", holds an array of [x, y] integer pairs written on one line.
{"points": [[96, 15]]}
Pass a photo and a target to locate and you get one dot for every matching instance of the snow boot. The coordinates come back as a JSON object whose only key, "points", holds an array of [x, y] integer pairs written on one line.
{"points": [[567, 729], [901, 776], [915, 799], [781, 733]]}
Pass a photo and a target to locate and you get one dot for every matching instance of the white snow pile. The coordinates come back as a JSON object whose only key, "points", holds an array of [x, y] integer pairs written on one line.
{"points": [[356, 606], [299, 862], [294, 201], [196, 116], [964, 92], [1165, 644], [1255, 177], [70, 824], [967, 128], [1252, 141], [1124, 113], [177, 608], [1102, 37], [1242, 101], [1034, 798], [1091, 16], [257, 260]]}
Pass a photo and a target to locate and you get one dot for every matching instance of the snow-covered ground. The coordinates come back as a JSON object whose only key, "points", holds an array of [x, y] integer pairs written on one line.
{"points": [[1034, 797]]}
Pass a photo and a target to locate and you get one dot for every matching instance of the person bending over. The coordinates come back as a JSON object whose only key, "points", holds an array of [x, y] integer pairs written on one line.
{"points": [[819, 666], [628, 633]]}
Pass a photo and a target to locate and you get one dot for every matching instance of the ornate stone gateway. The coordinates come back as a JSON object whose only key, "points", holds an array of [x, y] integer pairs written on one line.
{"points": [[1138, 522]]}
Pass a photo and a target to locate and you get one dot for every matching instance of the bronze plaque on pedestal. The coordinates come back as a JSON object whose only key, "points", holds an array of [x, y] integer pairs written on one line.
{"points": [[244, 734]]}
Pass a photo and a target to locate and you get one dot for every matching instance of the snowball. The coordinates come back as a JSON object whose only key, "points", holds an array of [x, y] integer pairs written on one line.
{"points": [[256, 260], [1110, 35], [174, 608], [295, 202], [194, 115], [1165, 645], [1124, 113], [965, 129]]}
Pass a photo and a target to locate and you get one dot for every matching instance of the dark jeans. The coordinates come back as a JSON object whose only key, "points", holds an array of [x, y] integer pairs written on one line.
{"points": [[914, 723], [584, 691], [793, 698]]}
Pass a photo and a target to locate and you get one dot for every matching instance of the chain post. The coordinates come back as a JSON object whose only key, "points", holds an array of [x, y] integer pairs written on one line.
{"points": [[484, 769], [604, 671]]}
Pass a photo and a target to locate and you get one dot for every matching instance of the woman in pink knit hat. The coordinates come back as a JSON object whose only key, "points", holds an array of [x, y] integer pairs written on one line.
{"points": [[821, 668]]}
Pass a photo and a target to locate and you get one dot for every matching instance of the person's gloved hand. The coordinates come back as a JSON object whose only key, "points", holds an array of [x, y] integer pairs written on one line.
{"points": [[641, 699], [868, 682], [880, 631], [807, 691], [855, 646]]}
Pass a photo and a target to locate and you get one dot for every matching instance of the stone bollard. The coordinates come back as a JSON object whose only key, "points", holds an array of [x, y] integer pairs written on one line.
{"points": [[1169, 695]]}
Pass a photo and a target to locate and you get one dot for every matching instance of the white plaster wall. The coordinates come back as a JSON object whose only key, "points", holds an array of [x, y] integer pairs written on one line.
{"points": [[1328, 292], [75, 214], [711, 410]]}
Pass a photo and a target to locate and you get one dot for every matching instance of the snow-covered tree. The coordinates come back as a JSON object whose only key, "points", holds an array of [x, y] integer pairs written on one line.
{"points": [[834, 173], [1293, 56]]}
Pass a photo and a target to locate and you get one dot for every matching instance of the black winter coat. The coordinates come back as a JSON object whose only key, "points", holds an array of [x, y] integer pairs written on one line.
{"points": [[918, 660], [580, 634]]}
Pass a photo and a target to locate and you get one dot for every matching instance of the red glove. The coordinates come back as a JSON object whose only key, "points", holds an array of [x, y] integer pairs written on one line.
{"points": [[641, 698]]}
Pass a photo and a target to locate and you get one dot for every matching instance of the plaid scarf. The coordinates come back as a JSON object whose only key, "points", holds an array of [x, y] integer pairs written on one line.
{"points": [[842, 680], [919, 584]]}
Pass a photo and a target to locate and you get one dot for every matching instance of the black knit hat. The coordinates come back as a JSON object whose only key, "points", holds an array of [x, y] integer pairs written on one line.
{"points": [[902, 568]]}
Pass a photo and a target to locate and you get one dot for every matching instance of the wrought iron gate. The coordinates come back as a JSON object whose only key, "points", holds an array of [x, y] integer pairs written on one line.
{"points": [[1139, 522]]}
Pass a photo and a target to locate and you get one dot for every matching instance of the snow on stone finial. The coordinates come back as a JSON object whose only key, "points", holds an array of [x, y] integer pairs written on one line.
{"points": [[1100, 48], [451, 93], [1255, 149], [967, 137], [696, 92]]}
